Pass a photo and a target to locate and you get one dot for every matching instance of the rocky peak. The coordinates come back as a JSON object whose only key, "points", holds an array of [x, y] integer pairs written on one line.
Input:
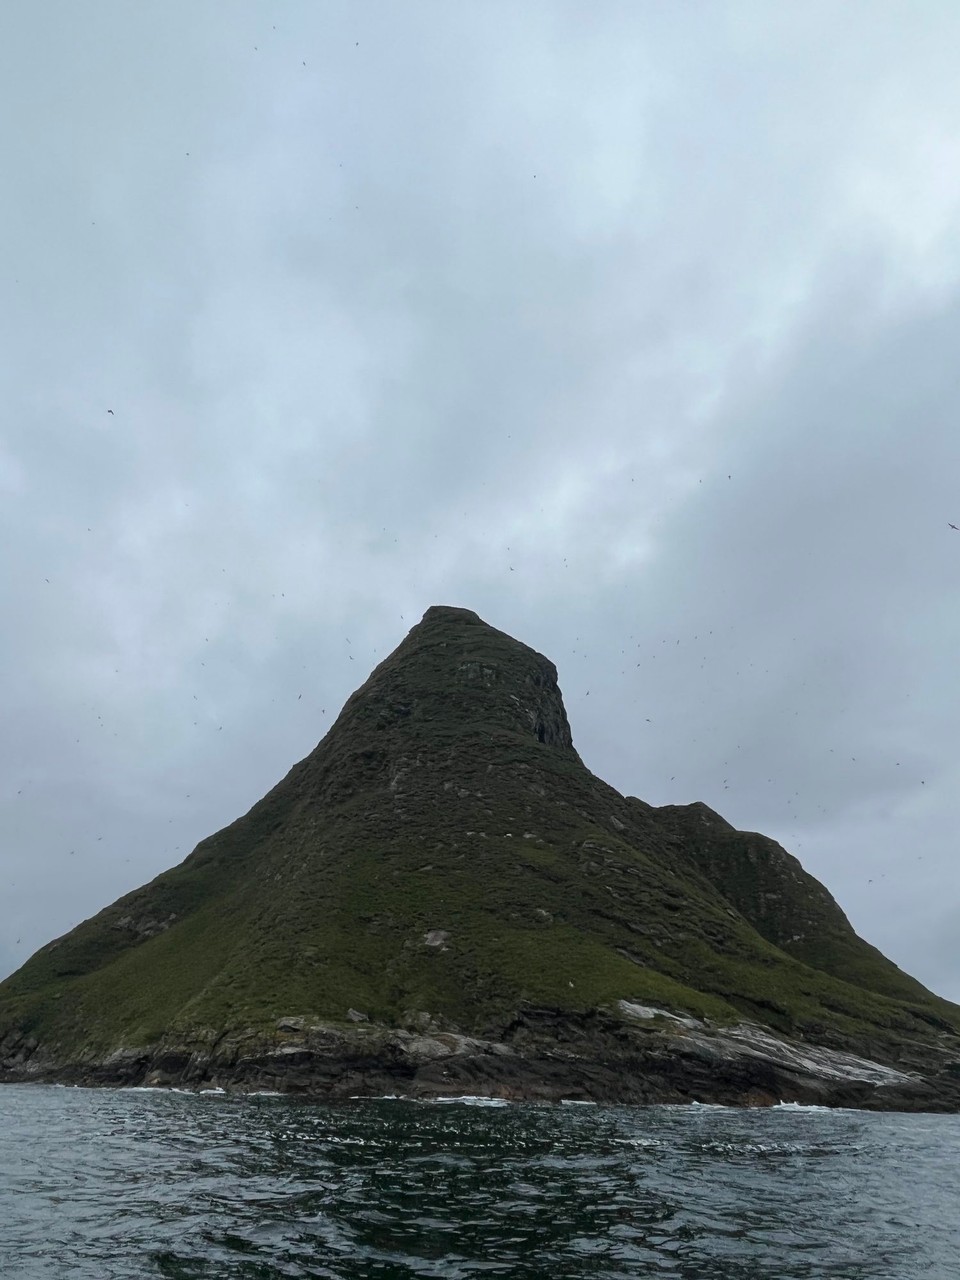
{"points": [[455, 673]]}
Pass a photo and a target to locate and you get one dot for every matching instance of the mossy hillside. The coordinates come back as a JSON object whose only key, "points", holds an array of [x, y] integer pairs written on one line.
{"points": [[527, 923], [448, 797], [786, 905]]}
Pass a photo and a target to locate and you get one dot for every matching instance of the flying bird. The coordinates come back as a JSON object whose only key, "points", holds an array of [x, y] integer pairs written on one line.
{"points": [[112, 414], [953, 526]]}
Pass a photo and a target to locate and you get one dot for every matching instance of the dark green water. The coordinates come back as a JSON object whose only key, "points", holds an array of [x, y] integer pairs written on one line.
{"points": [[110, 1184]]}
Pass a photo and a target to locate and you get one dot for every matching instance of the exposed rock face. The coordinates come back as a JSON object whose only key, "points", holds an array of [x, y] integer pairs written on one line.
{"points": [[602, 1059], [457, 667], [444, 848]]}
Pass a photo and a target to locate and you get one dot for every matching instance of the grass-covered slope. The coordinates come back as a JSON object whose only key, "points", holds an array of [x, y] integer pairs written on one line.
{"points": [[445, 849], [785, 904]]}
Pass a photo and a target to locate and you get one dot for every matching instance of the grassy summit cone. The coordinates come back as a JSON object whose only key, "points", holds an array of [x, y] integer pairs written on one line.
{"points": [[442, 896]]}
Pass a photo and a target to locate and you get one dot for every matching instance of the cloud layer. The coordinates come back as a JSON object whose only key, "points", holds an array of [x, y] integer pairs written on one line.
{"points": [[633, 333]]}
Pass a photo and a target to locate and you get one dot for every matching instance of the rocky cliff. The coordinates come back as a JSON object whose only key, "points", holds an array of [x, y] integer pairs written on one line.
{"points": [[441, 897]]}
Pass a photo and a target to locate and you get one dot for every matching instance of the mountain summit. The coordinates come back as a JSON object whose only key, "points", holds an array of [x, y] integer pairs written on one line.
{"points": [[442, 898]]}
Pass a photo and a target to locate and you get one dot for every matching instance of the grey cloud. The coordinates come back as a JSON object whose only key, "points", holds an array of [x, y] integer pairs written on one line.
{"points": [[481, 307]]}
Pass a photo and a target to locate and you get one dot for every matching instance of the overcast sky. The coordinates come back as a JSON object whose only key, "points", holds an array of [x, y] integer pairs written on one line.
{"points": [[634, 327]]}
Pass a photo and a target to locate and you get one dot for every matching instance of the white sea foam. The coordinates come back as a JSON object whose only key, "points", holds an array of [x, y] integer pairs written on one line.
{"points": [[800, 1106], [471, 1100]]}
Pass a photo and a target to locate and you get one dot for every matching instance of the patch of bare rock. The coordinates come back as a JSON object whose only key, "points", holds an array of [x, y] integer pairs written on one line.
{"points": [[630, 1054]]}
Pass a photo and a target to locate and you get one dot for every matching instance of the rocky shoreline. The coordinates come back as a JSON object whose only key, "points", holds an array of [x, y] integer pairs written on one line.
{"points": [[639, 1056]]}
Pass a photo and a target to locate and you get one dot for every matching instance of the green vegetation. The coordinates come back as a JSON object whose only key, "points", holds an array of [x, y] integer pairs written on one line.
{"points": [[445, 850]]}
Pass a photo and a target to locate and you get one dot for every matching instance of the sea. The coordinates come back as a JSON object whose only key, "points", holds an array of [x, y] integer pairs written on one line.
{"points": [[109, 1184]]}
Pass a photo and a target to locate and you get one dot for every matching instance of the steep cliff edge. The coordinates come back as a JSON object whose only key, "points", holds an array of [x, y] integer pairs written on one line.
{"points": [[444, 865]]}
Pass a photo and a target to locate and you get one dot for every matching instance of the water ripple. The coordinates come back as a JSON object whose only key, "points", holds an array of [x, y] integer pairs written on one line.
{"points": [[124, 1185]]}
